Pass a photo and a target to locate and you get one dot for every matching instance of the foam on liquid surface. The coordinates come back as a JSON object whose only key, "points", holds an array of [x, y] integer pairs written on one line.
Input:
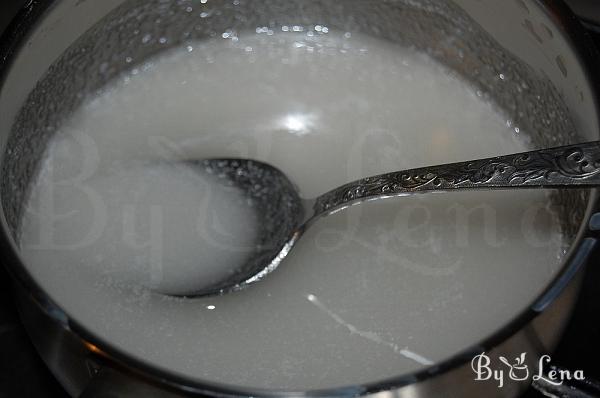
{"points": [[369, 293]]}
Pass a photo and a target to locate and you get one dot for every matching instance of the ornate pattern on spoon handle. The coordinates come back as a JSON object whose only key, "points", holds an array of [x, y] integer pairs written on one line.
{"points": [[576, 165]]}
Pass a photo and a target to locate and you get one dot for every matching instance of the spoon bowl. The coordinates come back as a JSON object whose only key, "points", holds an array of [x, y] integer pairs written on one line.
{"points": [[275, 201]]}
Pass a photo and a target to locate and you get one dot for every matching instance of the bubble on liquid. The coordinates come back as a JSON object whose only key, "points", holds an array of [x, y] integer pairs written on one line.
{"points": [[522, 5], [547, 30], [560, 62], [528, 25]]}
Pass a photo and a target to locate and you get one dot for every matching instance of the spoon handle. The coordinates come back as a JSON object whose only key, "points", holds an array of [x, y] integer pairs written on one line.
{"points": [[572, 166]]}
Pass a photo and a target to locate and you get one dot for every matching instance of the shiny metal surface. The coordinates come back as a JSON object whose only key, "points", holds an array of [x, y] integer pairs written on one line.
{"points": [[285, 216], [572, 166]]}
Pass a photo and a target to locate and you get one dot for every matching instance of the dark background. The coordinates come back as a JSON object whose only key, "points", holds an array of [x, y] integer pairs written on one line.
{"points": [[23, 373]]}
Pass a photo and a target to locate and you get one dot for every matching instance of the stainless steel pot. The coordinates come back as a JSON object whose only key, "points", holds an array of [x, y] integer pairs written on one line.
{"points": [[53, 50]]}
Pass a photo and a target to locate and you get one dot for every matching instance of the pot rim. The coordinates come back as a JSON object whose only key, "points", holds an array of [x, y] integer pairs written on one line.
{"points": [[13, 39]]}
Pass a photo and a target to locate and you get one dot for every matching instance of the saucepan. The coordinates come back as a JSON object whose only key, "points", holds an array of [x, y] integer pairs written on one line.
{"points": [[529, 58]]}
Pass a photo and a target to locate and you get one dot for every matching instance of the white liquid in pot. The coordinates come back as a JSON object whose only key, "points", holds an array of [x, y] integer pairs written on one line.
{"points": [[369, 293]]}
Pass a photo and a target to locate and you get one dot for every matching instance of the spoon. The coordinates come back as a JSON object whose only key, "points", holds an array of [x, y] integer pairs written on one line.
{"points": [[284, 215]]}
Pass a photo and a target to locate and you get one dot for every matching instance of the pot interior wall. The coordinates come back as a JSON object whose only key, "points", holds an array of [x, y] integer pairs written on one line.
{"points": [[536, 94]]}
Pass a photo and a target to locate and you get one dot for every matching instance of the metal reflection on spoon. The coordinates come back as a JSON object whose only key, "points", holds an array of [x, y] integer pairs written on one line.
{"points": [[284, 215]]}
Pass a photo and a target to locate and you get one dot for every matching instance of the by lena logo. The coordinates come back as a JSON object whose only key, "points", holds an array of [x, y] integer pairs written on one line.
{"points": [[518, 370]]}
